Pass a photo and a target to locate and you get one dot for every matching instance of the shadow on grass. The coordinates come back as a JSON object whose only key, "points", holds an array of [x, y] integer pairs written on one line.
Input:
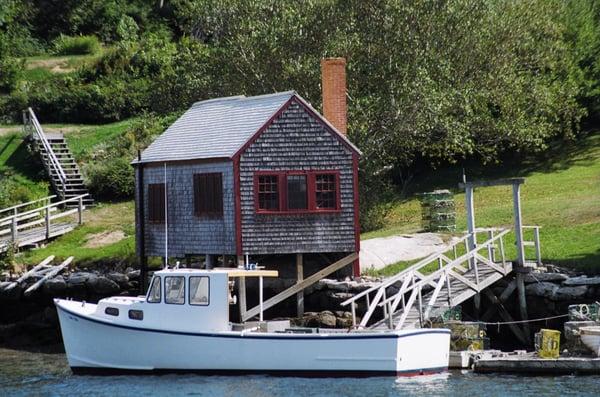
{"points": [[559, 156], [27, 164], [589, 263]]}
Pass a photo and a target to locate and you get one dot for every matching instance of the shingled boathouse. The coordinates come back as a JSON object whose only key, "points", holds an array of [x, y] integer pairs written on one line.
{"points": [[265, 176]]}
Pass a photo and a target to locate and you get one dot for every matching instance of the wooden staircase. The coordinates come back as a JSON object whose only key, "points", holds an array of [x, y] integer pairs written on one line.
{"points": [[412, 297], [61, 167]]}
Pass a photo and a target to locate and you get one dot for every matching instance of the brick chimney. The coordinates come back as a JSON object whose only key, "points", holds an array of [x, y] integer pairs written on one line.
{"points": [[333, 80]]}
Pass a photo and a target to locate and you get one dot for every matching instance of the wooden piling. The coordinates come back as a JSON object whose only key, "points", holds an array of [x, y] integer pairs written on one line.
{"points": [[299, 278]]}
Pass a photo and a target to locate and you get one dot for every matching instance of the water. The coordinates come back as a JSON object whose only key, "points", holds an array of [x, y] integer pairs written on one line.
{"points": [[25, 374]]}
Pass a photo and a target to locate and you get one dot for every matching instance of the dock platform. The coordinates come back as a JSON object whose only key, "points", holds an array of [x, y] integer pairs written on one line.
{"points": [[529, 363]]}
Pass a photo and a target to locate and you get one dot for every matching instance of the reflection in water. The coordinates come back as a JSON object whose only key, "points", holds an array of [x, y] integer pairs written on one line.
{"points": [[24, 374]]}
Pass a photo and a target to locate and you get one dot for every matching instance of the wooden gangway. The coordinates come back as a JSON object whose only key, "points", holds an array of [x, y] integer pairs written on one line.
{"points": [[433, 285], [37, 221]]}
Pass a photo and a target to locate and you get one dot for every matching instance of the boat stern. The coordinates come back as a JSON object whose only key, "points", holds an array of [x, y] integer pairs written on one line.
{"points": [[423, 351]]}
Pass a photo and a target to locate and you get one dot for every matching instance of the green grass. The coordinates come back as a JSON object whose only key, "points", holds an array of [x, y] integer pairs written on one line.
{"points": [[104, 218], [561, 194]]}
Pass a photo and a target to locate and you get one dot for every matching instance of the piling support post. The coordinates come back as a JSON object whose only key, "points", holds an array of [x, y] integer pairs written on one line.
{"points": [[242, 291], [470, 207], [299, 278], [80, 210]]}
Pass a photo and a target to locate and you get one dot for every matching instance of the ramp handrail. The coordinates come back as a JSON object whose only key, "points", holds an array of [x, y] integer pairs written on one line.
{"points": [[51, 156], [413, 280]]}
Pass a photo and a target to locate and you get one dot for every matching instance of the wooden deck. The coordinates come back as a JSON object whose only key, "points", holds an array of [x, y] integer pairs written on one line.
{"points": [[27, 227]]}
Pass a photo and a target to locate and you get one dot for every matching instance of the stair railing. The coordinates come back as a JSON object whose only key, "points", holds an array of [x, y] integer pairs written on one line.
{"points": [[52, 162]]}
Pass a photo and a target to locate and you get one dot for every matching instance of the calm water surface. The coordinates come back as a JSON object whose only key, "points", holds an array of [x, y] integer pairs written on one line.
{"points": [[25, 374]]}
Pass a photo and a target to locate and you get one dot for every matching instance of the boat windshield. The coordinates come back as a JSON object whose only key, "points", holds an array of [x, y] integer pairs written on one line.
{"points": [[154, 293]]}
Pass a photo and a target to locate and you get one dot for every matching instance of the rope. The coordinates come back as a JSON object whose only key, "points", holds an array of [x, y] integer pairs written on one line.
{"points": [[523, 321]]}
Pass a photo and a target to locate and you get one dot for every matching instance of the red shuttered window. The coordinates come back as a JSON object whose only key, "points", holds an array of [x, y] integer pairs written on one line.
{"points": [[156, 202], [208, 195]]}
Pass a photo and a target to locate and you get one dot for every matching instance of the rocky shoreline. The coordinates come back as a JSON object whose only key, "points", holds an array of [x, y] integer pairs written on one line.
{"points": [[29, 320]]}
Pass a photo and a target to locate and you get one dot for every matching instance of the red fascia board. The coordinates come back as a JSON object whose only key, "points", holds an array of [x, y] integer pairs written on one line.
{"points": [[237, 205], [356, 265], [328, 127]]}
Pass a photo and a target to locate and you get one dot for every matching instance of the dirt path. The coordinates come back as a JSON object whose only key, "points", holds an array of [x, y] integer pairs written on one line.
{"points": [[378, 253]]}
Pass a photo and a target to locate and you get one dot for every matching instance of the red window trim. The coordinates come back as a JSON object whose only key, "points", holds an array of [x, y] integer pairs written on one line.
{"points": [[311, 191]]}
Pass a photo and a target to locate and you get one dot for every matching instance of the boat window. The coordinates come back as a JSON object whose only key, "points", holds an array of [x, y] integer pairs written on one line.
{"points": [[136, 314], [175, 290], [199, 291], [111, 311], [154, 293]]}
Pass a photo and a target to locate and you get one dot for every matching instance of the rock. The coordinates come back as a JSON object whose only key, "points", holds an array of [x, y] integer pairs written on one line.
{"points": [[310, 319], [327, 319], [539, 277], [582, 280], [103, 286], [133, 275], [55, 286], [543, 289], [570, 293], [343, 322], [13, 294], [119, 278], [76, 279]]}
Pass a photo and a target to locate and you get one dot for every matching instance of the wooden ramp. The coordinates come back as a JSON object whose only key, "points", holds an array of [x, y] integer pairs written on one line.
{"points": [[38, 221], [410, 298]]}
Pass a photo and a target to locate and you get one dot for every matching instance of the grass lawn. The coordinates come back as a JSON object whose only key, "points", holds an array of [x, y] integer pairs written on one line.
{"points": [[102, 222], [561, 194]]}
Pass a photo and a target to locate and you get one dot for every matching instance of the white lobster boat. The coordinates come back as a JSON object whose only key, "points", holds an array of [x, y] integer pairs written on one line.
{"points": [[182, 324]]}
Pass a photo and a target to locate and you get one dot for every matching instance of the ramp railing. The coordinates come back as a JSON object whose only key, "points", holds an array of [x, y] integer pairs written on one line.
{"points": [[455, 280]]}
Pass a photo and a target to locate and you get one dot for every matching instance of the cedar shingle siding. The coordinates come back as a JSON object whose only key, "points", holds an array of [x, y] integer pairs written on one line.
{"points": [[190, 234], [296, 141]]}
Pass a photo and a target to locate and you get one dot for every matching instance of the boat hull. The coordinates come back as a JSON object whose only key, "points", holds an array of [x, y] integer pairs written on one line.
{"points": [[97, 346], [590, 336]]}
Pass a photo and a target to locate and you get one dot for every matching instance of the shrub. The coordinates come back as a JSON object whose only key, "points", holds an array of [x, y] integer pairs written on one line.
{"points": [[111, 180], [76, 45]]}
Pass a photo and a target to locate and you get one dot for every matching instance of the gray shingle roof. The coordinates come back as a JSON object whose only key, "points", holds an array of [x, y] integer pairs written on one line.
{"points": [[216, 128]]}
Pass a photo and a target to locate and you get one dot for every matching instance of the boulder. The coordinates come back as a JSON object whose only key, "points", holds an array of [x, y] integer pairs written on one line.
{"points": [[570, 293], [13, 294], [50, 315], [327, 319], [543, 289], [343, 322], [582, 280], [55, 286], [119, 278], [539, 277], [103, 286], [80, 278], [133, 275]]}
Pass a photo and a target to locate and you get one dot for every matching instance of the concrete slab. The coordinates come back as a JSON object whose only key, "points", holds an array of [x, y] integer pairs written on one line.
{"points": [[531, 364], [380, 252]]}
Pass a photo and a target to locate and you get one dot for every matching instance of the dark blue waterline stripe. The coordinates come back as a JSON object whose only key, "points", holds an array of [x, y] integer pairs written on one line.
{"points": [[237, 372], [258, 336]]}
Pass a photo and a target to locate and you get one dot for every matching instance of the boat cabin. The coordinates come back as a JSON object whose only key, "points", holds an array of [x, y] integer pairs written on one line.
{"points": [[187, 300]]}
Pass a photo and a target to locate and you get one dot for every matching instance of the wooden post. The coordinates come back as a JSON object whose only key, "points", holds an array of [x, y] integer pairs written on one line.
{"points": [[260, 298], [47, 220], [209, 260], [477, 305], [14, 230], [518, 223], [522, 301], [299, 278], [470, 207], [538, 252], [80, 210]]}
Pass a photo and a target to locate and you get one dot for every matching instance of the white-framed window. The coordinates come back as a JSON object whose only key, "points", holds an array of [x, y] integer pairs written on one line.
{"points": [[199, 290], [154, 295], [175, 290]]}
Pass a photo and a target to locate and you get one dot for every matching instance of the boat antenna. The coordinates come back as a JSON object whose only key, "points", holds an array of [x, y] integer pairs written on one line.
{"points": [[166, 220]]}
